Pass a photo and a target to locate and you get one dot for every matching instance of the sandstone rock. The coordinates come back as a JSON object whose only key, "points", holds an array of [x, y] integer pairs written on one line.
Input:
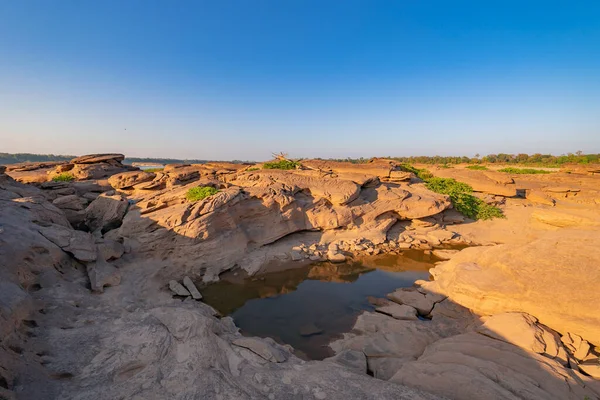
{"points": [[499, 177], [414, 299], [129, 179], [444, 254], [189, 285], [64, 168], [178, 288], [79, 244], [590, 169], [267, 351], [521, 330], [97, 158], [102, 274], [70, 202], [398, 311], [351, 359], [507, 278], [97, 171], [539, 197], [109, 249], [440, 235], [106, 213], [399, 176], [387, 342], [467, 366], [563, 219], [591, 368], [335, 257]]}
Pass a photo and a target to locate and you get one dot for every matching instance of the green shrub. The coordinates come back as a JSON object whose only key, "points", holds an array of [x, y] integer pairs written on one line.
{"points": [[420, 173], [462, 199], [253, 169], [477, 167], [153, 169], [63, 177], [446, 166], [200, 193], [512, 170], [281, 164]]}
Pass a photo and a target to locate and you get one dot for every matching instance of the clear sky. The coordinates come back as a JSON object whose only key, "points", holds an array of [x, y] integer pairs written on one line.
{"points": [[241, 79]]}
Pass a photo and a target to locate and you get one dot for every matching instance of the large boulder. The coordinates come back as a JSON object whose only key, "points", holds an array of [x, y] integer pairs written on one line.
{"points": [[548, 278], [106, 212]]}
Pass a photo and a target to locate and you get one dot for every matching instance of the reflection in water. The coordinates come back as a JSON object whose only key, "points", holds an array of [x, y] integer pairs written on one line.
{"points": [[309, 306]]}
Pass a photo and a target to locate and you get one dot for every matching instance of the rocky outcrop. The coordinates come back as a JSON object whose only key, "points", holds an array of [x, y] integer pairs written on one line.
{"points": [[474, 366], [129, 179], [93, 166], [491, 280], [256, 208]]}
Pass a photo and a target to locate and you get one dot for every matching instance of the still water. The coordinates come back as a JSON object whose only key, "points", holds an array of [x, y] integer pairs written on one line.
{"points": [[308, 307]]}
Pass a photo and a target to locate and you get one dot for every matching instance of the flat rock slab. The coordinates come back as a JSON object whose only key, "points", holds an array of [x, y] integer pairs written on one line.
{"points": [[262, 348], [97, 158], [413, 298], [444, 254], [178, 288], [189, 285], [399, 311]]}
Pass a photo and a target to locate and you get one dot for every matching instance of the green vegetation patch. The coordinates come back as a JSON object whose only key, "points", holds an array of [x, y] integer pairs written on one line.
{"points": [[281, 164], [462, 199], [420, 173], [153, 170], [512, 170], [253, 169], [478, 167], [200, 193], [460, 194], [64, 177]]}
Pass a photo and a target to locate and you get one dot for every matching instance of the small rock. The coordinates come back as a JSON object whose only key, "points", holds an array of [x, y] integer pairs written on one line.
{"points": [[335, 257], [296, 256], [414, 299], [189, 285], [178, 289]]}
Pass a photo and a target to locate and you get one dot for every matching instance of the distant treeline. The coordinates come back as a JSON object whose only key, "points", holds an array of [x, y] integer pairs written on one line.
{"points": [[7, 158], [541, 160]]}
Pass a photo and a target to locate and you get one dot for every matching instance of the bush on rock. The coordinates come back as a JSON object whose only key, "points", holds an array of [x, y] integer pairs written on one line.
{"points": [[200, 193]]}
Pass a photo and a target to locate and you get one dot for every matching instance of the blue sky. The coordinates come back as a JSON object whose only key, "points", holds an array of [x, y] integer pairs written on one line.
{"points": [[242, 79]]}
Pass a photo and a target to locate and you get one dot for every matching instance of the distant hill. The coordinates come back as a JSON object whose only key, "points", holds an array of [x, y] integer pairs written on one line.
{"points": [[8, 158]]}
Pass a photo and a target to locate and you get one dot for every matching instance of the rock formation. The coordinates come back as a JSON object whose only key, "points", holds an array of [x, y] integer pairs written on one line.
{"points": [[98, 301]]}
